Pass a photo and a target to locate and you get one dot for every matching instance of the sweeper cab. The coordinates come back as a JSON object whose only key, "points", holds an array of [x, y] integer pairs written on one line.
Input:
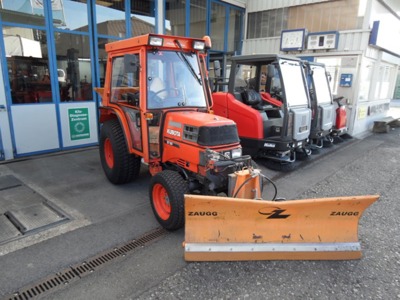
{"points": [[268, 99]]}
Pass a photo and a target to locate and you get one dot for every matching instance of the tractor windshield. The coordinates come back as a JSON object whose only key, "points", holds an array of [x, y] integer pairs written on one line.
{"points": [[294, 83], [321, 85], [174, 80]]}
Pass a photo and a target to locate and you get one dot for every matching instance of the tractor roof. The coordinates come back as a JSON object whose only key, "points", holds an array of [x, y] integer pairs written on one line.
{"points": [[261, 58], [168, 42]]}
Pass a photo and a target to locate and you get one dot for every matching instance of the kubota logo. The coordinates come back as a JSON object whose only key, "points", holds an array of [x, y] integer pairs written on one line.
{"points": [[202, 213], [274, 214], [173, 132]]}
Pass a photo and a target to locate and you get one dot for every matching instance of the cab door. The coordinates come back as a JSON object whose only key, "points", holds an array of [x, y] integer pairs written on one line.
{"points": [[125, 92]]}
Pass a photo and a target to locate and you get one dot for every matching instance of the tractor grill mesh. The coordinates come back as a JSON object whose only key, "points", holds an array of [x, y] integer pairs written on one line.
{"points": [[218, 135], [78, 271]]}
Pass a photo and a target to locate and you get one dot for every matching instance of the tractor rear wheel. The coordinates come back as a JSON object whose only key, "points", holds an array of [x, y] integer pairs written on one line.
{"points": [[118, 164], [167, 190]]}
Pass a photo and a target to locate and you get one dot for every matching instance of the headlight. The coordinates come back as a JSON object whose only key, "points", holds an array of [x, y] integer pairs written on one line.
{"points": [[198, 45], [236, 152], [155, 41]]}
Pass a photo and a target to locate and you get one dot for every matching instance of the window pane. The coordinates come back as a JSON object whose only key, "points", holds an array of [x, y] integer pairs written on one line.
{"points": [[143, 19], [70, 15], [22, 11], [174, 80], [74, 66], [234, 30], [110, 17], [175, 17], [320, 85], [103, 58], [28, 65], [267, 23], [293, 82], [198, 18], [217, 26]]}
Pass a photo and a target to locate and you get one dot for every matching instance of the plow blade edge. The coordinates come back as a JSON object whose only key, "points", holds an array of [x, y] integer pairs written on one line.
{"points": [[227, 229]]}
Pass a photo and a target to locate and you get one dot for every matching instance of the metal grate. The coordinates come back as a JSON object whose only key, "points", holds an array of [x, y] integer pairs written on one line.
{"points": [[35, 217], [51, 283], [78, 271]]}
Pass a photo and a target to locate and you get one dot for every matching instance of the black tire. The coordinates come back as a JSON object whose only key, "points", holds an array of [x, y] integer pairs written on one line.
{"points": [[171, 187], [328, 141], [118, 164], [279, 166], [303, 154], [315, 151]]}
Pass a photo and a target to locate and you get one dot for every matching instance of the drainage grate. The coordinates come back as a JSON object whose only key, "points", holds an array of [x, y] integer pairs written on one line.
{"points": [[73, 273], [49, 284], [89, 266]]}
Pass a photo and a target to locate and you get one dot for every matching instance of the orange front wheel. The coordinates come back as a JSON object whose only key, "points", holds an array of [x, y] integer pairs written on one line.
{"points": [[167, 190], [161, 201]]}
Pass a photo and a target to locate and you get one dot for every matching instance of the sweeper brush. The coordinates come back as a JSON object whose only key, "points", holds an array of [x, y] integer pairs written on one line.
{"points": [[229, 229]]}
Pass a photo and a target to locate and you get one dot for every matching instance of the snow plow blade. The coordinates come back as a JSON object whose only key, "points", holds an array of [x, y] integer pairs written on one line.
{"points": [[229, 229]]}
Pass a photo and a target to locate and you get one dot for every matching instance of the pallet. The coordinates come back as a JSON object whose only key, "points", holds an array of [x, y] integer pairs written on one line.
{"points": [[384, 125]]}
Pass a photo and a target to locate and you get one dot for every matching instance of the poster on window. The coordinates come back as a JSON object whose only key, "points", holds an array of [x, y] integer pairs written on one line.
{"points": [[79, 123]]}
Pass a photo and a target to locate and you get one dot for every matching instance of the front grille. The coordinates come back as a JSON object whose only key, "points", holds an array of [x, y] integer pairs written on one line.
{"points": [[221, 135]]}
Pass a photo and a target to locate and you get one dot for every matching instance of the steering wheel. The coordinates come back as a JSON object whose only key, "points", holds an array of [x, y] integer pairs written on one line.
{"points": [[155, 95], [276, 92]]}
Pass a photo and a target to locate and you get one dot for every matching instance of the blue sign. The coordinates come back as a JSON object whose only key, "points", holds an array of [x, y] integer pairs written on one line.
{"points": [[346, 80]]}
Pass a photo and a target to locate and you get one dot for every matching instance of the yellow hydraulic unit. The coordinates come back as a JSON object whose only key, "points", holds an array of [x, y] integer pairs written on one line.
{"points": [[247, 228]]}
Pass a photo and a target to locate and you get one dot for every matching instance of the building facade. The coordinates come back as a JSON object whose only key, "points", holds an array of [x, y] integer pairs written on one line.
{"points": [[53, 55], [357, 40]]}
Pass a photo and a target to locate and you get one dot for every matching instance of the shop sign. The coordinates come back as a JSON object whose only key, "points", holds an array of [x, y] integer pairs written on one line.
{"points": [[79, 123]]}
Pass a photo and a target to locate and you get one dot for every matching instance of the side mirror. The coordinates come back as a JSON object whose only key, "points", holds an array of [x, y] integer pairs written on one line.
{"points": [[271, 71], [131, 63], [217, 68]]}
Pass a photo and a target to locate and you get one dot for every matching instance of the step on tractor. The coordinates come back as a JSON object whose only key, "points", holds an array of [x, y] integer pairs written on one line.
{"points": [[267, 97], [156, 110], [322, 107]]}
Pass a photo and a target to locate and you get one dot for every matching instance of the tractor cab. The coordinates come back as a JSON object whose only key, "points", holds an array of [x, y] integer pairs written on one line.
{"points": [[267, 97]]}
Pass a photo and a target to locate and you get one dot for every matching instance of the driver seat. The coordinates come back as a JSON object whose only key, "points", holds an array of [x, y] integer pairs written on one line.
{"points": [[157, 85]]}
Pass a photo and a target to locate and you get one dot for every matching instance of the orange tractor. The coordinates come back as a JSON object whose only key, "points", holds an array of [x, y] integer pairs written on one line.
{"points": [[156, 110]]}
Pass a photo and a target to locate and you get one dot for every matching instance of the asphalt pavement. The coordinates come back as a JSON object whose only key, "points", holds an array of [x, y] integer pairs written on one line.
{"points": [[107, 228]]}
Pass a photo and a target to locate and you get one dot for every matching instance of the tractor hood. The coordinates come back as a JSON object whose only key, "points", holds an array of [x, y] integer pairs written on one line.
{"points": [[202, 128], [197, 119]]}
